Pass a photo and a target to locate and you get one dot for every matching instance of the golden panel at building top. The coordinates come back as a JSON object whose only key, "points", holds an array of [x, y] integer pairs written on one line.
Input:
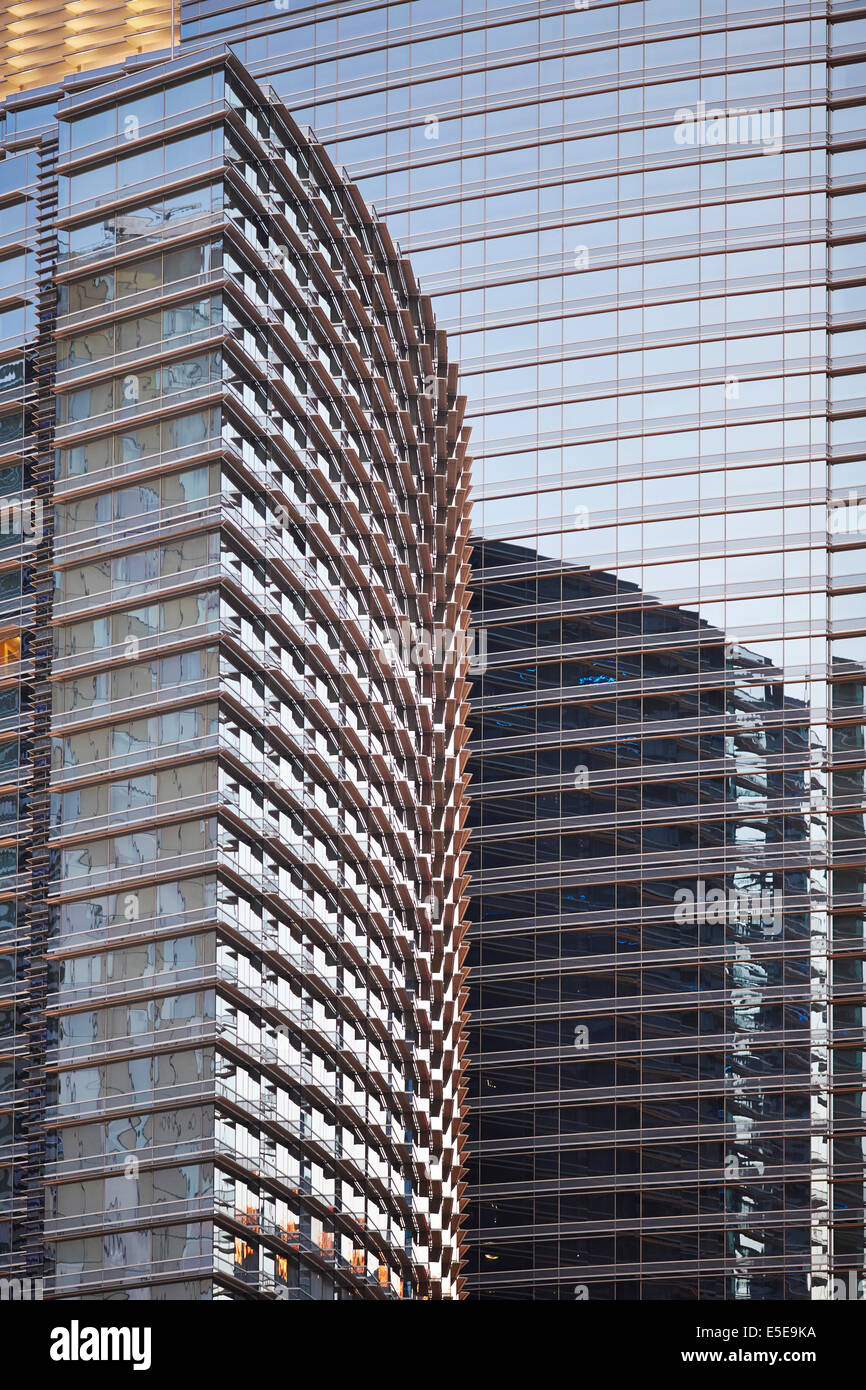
{"points": [[42, 41]]}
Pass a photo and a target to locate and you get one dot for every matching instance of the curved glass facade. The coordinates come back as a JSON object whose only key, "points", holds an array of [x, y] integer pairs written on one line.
{"points": [[231, 1015], [642, 224]]}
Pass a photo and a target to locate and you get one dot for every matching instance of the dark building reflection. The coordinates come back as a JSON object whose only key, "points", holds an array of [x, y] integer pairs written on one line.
{"points": [[649, 1050]]}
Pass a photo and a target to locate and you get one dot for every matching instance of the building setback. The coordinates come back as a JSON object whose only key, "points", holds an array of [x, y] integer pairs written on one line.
{"points": [[231, 943]]}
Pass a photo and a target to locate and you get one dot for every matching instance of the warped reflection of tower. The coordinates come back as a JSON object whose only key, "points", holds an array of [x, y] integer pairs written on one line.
{"points": [[648, 1053]]}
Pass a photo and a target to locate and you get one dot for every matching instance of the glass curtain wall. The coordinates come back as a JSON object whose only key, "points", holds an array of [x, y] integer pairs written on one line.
{"points": [[642, 223], [231, 956]]}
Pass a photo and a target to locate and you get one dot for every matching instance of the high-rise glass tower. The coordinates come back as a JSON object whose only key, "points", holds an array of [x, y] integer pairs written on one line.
{"points": [[642, 223], [235, 507]]}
